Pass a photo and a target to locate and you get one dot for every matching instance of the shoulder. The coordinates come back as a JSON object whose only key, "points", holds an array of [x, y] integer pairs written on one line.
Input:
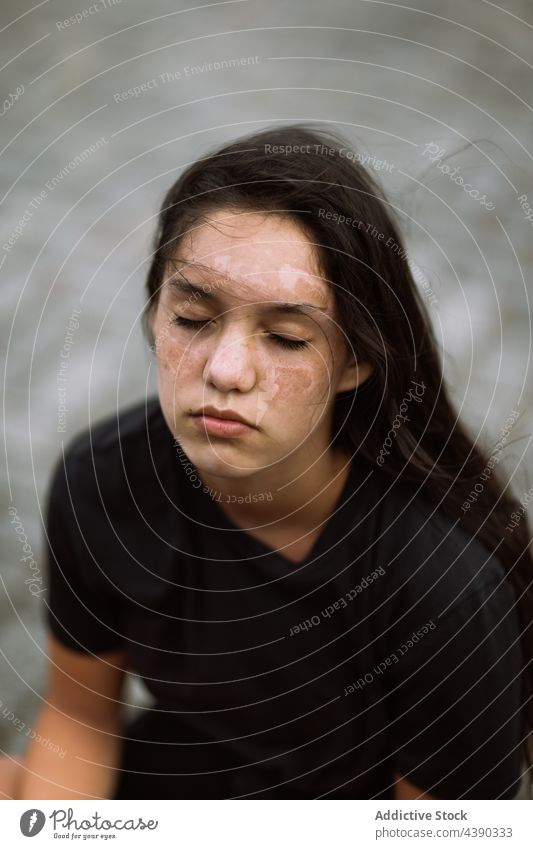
{"points": [[448, 643], [114, 504], [107, 434], [113, 454], [433, 564]]}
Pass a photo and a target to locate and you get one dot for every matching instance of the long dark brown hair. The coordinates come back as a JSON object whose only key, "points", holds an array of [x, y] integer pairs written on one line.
{"points": [[314, 177]]}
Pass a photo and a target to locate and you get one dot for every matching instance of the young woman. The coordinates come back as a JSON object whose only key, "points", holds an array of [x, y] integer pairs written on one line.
{"points": [[279, 543]]}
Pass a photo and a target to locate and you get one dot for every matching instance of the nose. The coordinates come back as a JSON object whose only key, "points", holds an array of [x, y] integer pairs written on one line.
{"points": [[231, 360]]}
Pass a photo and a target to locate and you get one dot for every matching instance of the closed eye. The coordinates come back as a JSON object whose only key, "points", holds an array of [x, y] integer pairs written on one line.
{"points": [[283, 341]]}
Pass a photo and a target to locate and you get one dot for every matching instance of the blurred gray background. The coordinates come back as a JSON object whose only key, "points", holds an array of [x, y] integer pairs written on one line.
{"points": [[85, 161]]}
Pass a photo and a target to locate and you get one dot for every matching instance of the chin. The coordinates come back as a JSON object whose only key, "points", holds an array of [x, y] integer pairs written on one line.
{"points": [[218, 458], [230, 468]]}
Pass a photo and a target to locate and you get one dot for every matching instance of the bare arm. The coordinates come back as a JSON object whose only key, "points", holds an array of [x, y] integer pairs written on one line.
{"points": [[403, 789], [82, 716]]}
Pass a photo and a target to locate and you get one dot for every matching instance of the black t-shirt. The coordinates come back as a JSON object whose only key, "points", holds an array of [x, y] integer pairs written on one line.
{"points": [[393, 645]]}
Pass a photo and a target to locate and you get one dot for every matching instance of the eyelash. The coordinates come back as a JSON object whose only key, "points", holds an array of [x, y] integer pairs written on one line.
{"points": [[292, 344]]}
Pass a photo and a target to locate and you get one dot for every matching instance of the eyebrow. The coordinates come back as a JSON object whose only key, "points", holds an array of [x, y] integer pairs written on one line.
{"points": [[185, 287]]}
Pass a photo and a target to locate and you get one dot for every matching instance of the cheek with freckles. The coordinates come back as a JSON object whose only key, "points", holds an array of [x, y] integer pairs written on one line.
{"points": [[292, 393], [173, 357], [173, 349], [179, 359]]}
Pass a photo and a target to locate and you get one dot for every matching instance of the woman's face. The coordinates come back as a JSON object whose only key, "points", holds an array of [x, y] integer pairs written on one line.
{"points": [[223, 338]]}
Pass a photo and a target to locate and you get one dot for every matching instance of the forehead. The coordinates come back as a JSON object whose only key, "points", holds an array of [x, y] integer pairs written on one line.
{"points": [[259, 256]]}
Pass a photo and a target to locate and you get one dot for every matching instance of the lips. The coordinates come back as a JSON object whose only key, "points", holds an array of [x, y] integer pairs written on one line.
{"points": [[230, 415], [224, 428]]}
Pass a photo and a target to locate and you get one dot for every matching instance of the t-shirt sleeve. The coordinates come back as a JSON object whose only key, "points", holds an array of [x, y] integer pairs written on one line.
{"points": [[80, 611], [455, 696]]}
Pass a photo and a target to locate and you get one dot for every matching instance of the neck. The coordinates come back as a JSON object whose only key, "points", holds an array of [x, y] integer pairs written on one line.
{"points": [[291, 497]]}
